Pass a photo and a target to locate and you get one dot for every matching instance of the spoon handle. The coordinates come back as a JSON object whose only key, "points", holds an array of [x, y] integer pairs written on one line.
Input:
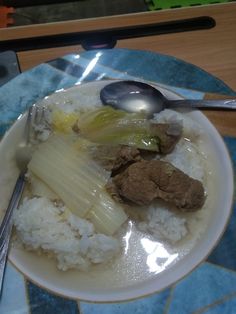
{"points": [[195, 103]]}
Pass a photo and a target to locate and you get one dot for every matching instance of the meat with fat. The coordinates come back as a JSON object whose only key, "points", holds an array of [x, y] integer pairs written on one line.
{"points": [[144, 181]]}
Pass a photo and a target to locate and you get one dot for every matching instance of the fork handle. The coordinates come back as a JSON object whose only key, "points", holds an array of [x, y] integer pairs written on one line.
{"points": [[6, 225], [3, 257], [14, 201]]}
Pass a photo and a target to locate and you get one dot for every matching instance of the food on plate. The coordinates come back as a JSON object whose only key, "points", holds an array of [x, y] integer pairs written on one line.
{"points": [[144, 181], [78, 181], [43, 225], [101, 177], [116, 127], [117, 157]]}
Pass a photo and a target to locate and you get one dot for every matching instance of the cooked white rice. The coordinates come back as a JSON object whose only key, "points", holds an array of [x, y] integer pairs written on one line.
{"points": [[191, 128], [164, 224], [42, 225]]}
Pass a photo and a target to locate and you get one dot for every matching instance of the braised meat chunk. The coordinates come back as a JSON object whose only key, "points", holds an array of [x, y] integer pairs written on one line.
{"points": [[116, 158], [126, 155], [144, 181], [168, 135]]}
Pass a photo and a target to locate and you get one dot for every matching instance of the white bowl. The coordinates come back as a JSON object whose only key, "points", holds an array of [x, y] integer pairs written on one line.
{"points": [[99, 286]]}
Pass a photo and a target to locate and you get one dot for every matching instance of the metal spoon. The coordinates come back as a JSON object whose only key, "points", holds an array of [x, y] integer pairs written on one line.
{"points": [[133, 96]]}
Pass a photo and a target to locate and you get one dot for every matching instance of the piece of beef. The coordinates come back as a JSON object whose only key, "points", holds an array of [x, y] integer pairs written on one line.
{"points": [[126, 155], [144, 181], [168, 134], [116, 158]]}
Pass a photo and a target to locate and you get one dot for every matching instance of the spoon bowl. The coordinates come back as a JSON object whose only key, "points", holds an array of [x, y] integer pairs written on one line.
{"points": [[134, 96]]}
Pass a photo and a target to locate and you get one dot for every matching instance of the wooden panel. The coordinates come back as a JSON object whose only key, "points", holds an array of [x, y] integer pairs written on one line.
{"points": [[116, 21], [29, 59], [224, 121], [213, 49]]}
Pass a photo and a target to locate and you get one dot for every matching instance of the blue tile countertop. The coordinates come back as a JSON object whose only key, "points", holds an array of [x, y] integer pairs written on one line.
{"points": [[211, 287]]}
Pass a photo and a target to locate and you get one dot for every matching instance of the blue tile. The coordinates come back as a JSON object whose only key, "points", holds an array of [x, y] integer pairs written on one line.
{"points": [[206, 285], [43, 302], [231, 143], [27, 88], [154, 304], [224, 307], [160, 68], [76, 66], [225, 252], [13, 289]]}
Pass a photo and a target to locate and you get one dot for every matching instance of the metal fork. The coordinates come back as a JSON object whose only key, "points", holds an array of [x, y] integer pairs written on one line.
{"points": [[35, 117]]}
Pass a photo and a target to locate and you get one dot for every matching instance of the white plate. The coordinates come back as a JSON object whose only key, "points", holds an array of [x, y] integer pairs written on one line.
{"points": [[99, 285]]}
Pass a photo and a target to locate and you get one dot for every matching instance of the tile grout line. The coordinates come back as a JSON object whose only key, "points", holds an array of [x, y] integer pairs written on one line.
{"points": [[168, 301], [217, 302], [27, 295], [221, 267], [79, 307]]}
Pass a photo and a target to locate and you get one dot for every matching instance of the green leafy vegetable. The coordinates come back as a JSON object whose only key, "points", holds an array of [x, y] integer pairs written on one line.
{"points": [[109, 126]]}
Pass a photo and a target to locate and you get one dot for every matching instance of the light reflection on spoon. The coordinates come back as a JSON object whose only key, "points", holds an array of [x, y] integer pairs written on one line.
{"points": [[158, 257]]}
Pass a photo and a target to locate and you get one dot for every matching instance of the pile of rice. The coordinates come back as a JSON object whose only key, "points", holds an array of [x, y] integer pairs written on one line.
{"points": [[41, 225]]}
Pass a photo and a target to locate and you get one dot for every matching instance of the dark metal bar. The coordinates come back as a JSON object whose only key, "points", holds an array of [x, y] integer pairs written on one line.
{"points": [[107, 38], [31, 3]]}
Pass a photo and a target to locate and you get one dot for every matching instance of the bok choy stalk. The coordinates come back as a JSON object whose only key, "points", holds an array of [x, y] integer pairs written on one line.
{"points": [[106, 125], [78, 181]]}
